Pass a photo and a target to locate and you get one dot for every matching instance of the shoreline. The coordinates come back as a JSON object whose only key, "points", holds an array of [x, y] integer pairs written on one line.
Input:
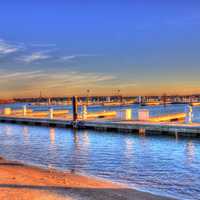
{"points": [[21, 181], [83, 174]]}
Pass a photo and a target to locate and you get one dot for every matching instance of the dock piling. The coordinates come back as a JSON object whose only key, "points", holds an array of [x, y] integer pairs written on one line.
{"points": [[84, 112], [75, 108], [7, 111], [189, 114], [24, 110], [128, 114], [125, 114], [51, 113]]}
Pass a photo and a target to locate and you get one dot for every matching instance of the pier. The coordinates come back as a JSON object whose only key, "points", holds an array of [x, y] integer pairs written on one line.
{"points": [[169, 118], [144, 127], [122, 120]]}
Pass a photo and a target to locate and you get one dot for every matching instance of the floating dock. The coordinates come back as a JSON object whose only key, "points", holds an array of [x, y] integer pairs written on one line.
{"points": [[141, 127], [169, 118], [195, 104]]}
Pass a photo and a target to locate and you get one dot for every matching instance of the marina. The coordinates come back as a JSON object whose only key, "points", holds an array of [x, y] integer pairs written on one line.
{"points": [[130, 145], [127, 119], [99, 100]]}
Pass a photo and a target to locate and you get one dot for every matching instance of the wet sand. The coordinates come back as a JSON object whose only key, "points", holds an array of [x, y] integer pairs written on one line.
{"points": [[23, 182]]}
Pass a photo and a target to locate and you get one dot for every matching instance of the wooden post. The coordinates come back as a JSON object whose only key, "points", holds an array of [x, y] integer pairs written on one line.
{"points": [[84, 112], [128, 114], [24, 110], [7, 111], [189, 115], [49, 101], [51, 113], [75, 108]]}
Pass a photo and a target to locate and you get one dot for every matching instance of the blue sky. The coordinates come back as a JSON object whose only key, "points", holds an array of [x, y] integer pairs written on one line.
{"points": [[64, 47]]}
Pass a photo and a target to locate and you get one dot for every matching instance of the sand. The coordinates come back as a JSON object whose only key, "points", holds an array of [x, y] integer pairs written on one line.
{"points": [[23, 182]]}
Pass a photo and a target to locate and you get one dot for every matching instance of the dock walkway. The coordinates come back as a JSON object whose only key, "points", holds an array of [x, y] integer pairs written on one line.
{"points": [[142, 127]]}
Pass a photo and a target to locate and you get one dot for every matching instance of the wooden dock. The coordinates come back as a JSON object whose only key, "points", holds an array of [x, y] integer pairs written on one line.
{"points": [[169, 118], [105, 114], [41, 113], [141, 127], [195, 104]]}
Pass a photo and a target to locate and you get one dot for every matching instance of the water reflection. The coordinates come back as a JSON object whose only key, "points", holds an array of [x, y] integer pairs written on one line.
{"points": [[76, 149], [75, 137], [52, 152], [86, 140], [143, 143], [25, 132], [176, 136], [81, 146], [81, 140], [52, 135], [8, 130], [190, 149], [129, 147], [155, 164]]}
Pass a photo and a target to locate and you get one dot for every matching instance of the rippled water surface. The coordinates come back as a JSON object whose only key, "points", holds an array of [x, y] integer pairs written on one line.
{"points": [[162, 165]]}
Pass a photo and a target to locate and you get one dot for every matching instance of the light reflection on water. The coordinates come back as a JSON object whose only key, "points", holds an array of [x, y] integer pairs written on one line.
{"points": [[52, 135], [163, 165]]}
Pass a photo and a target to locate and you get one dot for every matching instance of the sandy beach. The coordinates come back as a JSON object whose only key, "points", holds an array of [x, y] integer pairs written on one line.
{"points": [[23, 182]]}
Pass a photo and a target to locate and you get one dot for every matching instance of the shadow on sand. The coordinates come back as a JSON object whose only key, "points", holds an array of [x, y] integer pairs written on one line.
{"points": [[90, 193], [11, 164]]}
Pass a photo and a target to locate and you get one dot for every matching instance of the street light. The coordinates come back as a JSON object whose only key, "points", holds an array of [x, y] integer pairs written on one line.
{"points": [[88, 93], [119, 96]]}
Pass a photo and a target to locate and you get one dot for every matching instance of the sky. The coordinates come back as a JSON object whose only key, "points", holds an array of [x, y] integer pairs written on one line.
{"points": [[65, 47]]}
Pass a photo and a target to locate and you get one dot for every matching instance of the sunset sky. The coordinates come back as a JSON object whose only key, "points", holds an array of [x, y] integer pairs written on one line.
{"points": [[66, 47]]}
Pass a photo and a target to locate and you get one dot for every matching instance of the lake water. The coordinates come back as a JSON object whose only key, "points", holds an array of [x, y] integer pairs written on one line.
{"points": [[161, 165]]}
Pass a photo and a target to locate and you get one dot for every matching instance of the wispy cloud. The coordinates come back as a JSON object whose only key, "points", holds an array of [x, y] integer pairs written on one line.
{"points": [[35, 52], [127, 85], [42, 45], [58, 82], [75, 79], [71, 57], [33, 57], [64, 58], [20, 75], [7, 48]]}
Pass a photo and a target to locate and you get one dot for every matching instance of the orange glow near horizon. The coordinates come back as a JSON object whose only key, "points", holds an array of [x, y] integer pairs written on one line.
{"points": [[100, 91]]}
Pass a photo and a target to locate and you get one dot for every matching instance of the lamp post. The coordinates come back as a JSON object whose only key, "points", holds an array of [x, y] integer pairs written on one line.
{"points": [[119, 95], [75, 108], [88, 93]]}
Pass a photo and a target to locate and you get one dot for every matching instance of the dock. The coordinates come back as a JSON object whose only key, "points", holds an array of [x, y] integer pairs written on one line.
{"points": [[131, 126], [195, 103], [120, 121], [169, 117], [30, 113]]}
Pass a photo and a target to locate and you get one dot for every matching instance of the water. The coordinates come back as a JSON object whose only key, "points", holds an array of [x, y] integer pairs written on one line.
{"points": [[161, 165]]}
